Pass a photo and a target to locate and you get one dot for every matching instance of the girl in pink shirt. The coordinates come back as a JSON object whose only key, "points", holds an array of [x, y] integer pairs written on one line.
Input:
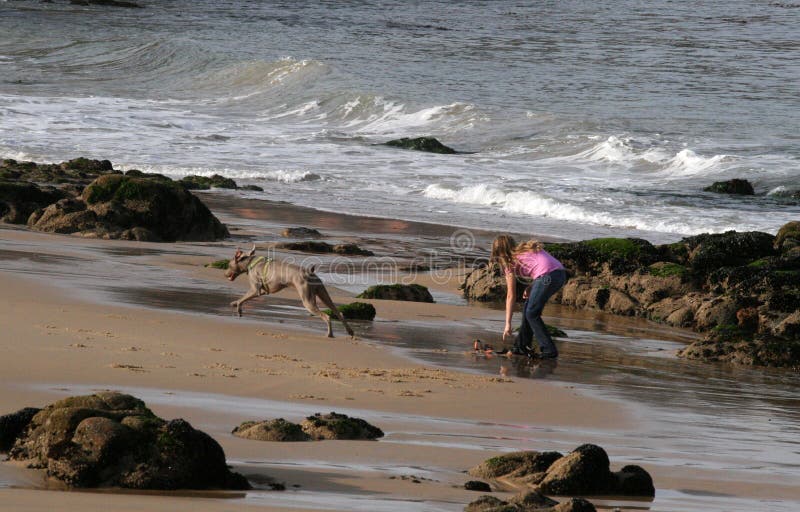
{"points": [[529, 260]]}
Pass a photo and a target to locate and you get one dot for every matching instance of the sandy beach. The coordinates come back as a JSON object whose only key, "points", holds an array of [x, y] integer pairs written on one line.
{"points": [[82, 315]]}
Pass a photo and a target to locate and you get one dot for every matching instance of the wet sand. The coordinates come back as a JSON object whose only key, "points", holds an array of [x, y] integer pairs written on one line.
{"points": [[149, 319]]}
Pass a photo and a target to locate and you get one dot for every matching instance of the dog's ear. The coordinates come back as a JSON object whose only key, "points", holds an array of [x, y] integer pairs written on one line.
{"points": [[238, 255], [252, 251]]}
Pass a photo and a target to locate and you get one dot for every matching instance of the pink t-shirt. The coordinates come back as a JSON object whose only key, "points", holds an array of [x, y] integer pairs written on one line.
{"points": [[534, 264]]}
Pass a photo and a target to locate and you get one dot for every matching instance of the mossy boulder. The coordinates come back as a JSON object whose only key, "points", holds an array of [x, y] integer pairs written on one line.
{"points": [[529, 466], [739, 345], [708, 252], [133, 208], [735, 186], [427, 144], [113, 440], [788, 236], [488, 284], [339, 426], [355, 311], [278, 430], [668, 269], [405, 292]]}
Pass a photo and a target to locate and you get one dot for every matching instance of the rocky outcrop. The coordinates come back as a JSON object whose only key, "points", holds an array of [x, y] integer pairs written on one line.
{"points": [[529, 502], [113, 440], [406, 292], [131, 208], [278, 430], [734, 186], [90, 198], [427, 144], [748, 280], [194, 182], [584, 471], [339, 426]]}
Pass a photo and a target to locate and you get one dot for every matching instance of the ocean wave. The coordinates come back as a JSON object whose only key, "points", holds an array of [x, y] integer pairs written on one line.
{"points": [[689, 163], [535, 205], [282, 176]]}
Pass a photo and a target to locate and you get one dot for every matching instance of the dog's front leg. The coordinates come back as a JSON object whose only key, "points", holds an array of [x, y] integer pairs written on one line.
{"points": [[251, 294]]}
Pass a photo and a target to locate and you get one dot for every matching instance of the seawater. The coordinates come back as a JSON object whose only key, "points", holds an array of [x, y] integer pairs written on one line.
{"points": [[575, 119]]}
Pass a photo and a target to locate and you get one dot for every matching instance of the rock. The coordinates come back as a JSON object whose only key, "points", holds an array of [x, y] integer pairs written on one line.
{"points": [[584, 471], [355, 311], [19, 199], [301, 232], [135, 173], [708, 252], [117, 206], [477, 485], [88, 165], [488, 284], [405, 292], [734, 186], [271, 430], [428, 144], [194, 182], [788, 236], [109, 3], [530, 466], [716, 311], [113, 440], [254, 188], [351, 250], [339, 426], [529, 502], [13, 425], [730, 344]]}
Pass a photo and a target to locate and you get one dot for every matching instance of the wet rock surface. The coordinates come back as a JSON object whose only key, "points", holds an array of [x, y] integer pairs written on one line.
{"points": [[406, 292], [13, 425], [301, 232], [529, 502], [278, 430], [113, 440], [339, 426], [90, 198], [584, 471], [748, 282], [355, 311], [427, 144], [735, 186], [325, 248]]}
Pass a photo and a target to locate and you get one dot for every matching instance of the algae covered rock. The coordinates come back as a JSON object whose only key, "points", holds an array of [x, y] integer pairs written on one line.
{"points": [[339, 426], [530, 466], [405, 292], [732, 344], [477, 485], [356, 311], [788, 236], [278, 430], [111, 439], [194, 182], [532, 501], [325, 248], [19, 199], [427, 144], [735, 186], [118, 206]]}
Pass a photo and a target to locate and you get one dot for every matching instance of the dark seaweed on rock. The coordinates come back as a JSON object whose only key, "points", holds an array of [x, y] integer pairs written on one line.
{"points": [[427, 144]]}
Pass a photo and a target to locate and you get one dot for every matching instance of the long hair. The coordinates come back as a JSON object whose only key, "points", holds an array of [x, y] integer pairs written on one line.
{"points": [[505, 250]]}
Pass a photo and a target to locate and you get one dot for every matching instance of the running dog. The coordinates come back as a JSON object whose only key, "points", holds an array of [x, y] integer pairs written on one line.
{"points": [[270, 276]]}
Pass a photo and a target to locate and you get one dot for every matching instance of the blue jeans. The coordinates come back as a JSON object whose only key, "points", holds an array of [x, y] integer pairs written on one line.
{"points": [[532, 325]]}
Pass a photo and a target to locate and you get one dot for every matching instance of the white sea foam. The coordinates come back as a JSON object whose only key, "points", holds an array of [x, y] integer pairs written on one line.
{"points": [[537, 205], [688, 163]]}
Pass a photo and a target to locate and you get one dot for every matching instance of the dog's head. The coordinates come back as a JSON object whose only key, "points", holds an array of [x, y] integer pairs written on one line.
{"points": [[238, 265]]}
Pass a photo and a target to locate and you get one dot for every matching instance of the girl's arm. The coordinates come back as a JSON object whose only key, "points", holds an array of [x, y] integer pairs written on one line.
{"points": [[511, 299]]}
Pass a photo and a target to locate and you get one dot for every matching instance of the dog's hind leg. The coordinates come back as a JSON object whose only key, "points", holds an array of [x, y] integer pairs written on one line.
{"points": [[237, 304], [322, 293], [310, 303]]}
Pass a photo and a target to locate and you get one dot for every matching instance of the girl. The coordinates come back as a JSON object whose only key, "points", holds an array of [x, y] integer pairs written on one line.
{"points": [[530, 260]]}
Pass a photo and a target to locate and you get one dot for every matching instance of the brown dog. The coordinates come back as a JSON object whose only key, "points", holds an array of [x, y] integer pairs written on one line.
{"points": [[271, 276]]}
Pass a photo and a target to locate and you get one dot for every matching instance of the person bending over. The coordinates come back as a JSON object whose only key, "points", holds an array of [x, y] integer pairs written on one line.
{"points": [[529, 260]]}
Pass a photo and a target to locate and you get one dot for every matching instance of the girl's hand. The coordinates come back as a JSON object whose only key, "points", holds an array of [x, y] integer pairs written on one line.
{"points": [[526, 293], [506, 332]]}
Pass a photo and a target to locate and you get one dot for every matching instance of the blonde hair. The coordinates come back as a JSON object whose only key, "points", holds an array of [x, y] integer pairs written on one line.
{"points": [[505, 250]]}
